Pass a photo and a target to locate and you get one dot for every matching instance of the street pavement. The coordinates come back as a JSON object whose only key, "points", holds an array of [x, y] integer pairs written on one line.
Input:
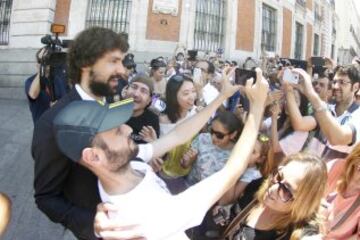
{"points": [[17, 171]]}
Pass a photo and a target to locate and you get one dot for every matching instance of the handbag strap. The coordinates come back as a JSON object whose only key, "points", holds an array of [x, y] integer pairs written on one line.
{"points": [[347, 213], [239, 218]]}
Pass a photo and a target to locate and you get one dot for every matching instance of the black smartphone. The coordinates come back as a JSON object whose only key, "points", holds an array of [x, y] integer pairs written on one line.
{"points": [[318, 61], [241, 75]]}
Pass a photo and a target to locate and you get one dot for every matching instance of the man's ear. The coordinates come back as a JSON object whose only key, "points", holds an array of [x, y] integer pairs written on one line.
{"points": [[89, 156], [355, 87], [85, 70]]}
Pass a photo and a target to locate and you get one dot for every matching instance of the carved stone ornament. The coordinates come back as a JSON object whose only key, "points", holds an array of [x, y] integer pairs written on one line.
{"points": [[166, 7]]}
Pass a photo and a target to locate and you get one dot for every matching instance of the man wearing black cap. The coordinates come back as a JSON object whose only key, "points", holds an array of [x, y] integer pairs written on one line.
{"points": [[67, 192], [96, 137]]}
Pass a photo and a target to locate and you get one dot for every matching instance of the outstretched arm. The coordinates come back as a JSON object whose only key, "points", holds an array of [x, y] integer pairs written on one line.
{"points": [[298, 122], [237, 163], [336, 134]]}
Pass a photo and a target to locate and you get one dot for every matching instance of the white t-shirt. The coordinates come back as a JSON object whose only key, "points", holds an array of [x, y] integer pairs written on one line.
{"points": [[159, 214], [167, 127], [351, 119]]}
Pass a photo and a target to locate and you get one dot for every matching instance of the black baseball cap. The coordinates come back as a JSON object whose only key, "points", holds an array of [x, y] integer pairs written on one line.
{"points": [[77, 124]]}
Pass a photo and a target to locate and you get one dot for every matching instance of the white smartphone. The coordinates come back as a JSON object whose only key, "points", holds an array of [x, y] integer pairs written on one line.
{"points": [[197, 75], [290, 77]]}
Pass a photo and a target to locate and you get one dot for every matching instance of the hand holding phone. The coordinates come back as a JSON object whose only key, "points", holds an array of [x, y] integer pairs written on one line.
{"points": [[242, 75], [290, 77]]}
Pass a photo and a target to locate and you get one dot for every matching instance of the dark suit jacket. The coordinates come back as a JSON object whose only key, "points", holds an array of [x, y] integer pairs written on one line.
{"points": [[65, 191]]}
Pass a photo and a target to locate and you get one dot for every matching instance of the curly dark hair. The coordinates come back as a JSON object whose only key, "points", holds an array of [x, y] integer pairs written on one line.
{"points": [[90, 45]]}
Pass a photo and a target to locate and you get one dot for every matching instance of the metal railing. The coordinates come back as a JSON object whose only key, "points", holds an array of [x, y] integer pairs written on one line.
{"points": [[301, 2], [113, 14], [209, 25], [5, 13]]}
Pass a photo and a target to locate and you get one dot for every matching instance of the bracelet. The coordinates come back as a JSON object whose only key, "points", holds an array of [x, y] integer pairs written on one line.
{"points": [[322, 108]]}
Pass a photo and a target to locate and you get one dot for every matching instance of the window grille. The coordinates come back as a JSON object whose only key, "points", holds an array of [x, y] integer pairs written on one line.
{"points": [[209, 25], [316, 45], [301, 2], [268, 34], [299, 40], [5, 12], [113, 14]]}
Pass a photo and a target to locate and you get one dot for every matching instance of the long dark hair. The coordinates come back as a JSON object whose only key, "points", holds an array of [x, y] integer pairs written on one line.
{"points": [[231, 122], [172, 88]]}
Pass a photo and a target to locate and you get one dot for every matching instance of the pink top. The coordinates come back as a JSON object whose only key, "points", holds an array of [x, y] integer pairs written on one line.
{"points": [[338, 205]]}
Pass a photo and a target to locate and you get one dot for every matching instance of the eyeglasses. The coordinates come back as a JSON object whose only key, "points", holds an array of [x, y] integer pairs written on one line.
{"points": [[283, 191], [340, 82], [218, 135]]}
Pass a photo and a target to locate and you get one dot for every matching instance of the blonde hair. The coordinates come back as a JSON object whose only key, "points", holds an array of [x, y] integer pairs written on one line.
{"points": [[351, 163], [307, 199]]}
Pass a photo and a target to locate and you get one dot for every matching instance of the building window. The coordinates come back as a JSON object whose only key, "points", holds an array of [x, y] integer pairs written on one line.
{"points": [[316, 45], [209, 25], [301, 2], [299, 40], [268, 34], [5, 12], [113, 14]]}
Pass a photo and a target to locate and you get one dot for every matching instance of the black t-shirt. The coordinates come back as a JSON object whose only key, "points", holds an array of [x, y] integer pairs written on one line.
{"points": [[148, 118]]}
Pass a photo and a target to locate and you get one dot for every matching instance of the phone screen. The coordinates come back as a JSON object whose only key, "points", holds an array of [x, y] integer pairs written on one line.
{"points": [[242, 75]]}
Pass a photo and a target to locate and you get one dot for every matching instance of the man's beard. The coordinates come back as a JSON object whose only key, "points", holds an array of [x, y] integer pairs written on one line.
{"points": [[99, 88], [119, 160]]}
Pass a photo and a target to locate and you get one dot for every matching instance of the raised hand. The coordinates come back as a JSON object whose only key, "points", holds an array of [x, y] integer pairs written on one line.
{"points": [[257, 93], [189, 157], [114, 230], [305, 84], [156, 164], [148, 134], [228, 89]]}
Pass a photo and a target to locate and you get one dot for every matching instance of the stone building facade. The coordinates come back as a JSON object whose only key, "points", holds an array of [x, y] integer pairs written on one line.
{"points": [[240, 28]]}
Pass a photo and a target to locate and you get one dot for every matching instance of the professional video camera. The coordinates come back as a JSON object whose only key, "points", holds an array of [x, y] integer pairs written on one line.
{"points": [[53, 62]]}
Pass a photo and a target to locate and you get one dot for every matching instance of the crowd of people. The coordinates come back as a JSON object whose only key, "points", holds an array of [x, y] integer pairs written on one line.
{"points": [[183, 151]]}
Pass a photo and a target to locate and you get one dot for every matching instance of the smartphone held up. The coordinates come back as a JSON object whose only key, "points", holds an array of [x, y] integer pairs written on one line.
{"points": [[242, 75], [290, 77]]}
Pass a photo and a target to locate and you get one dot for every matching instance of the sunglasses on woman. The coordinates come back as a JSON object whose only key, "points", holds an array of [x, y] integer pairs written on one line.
{"points": [[283, 191], [218, 135]]}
